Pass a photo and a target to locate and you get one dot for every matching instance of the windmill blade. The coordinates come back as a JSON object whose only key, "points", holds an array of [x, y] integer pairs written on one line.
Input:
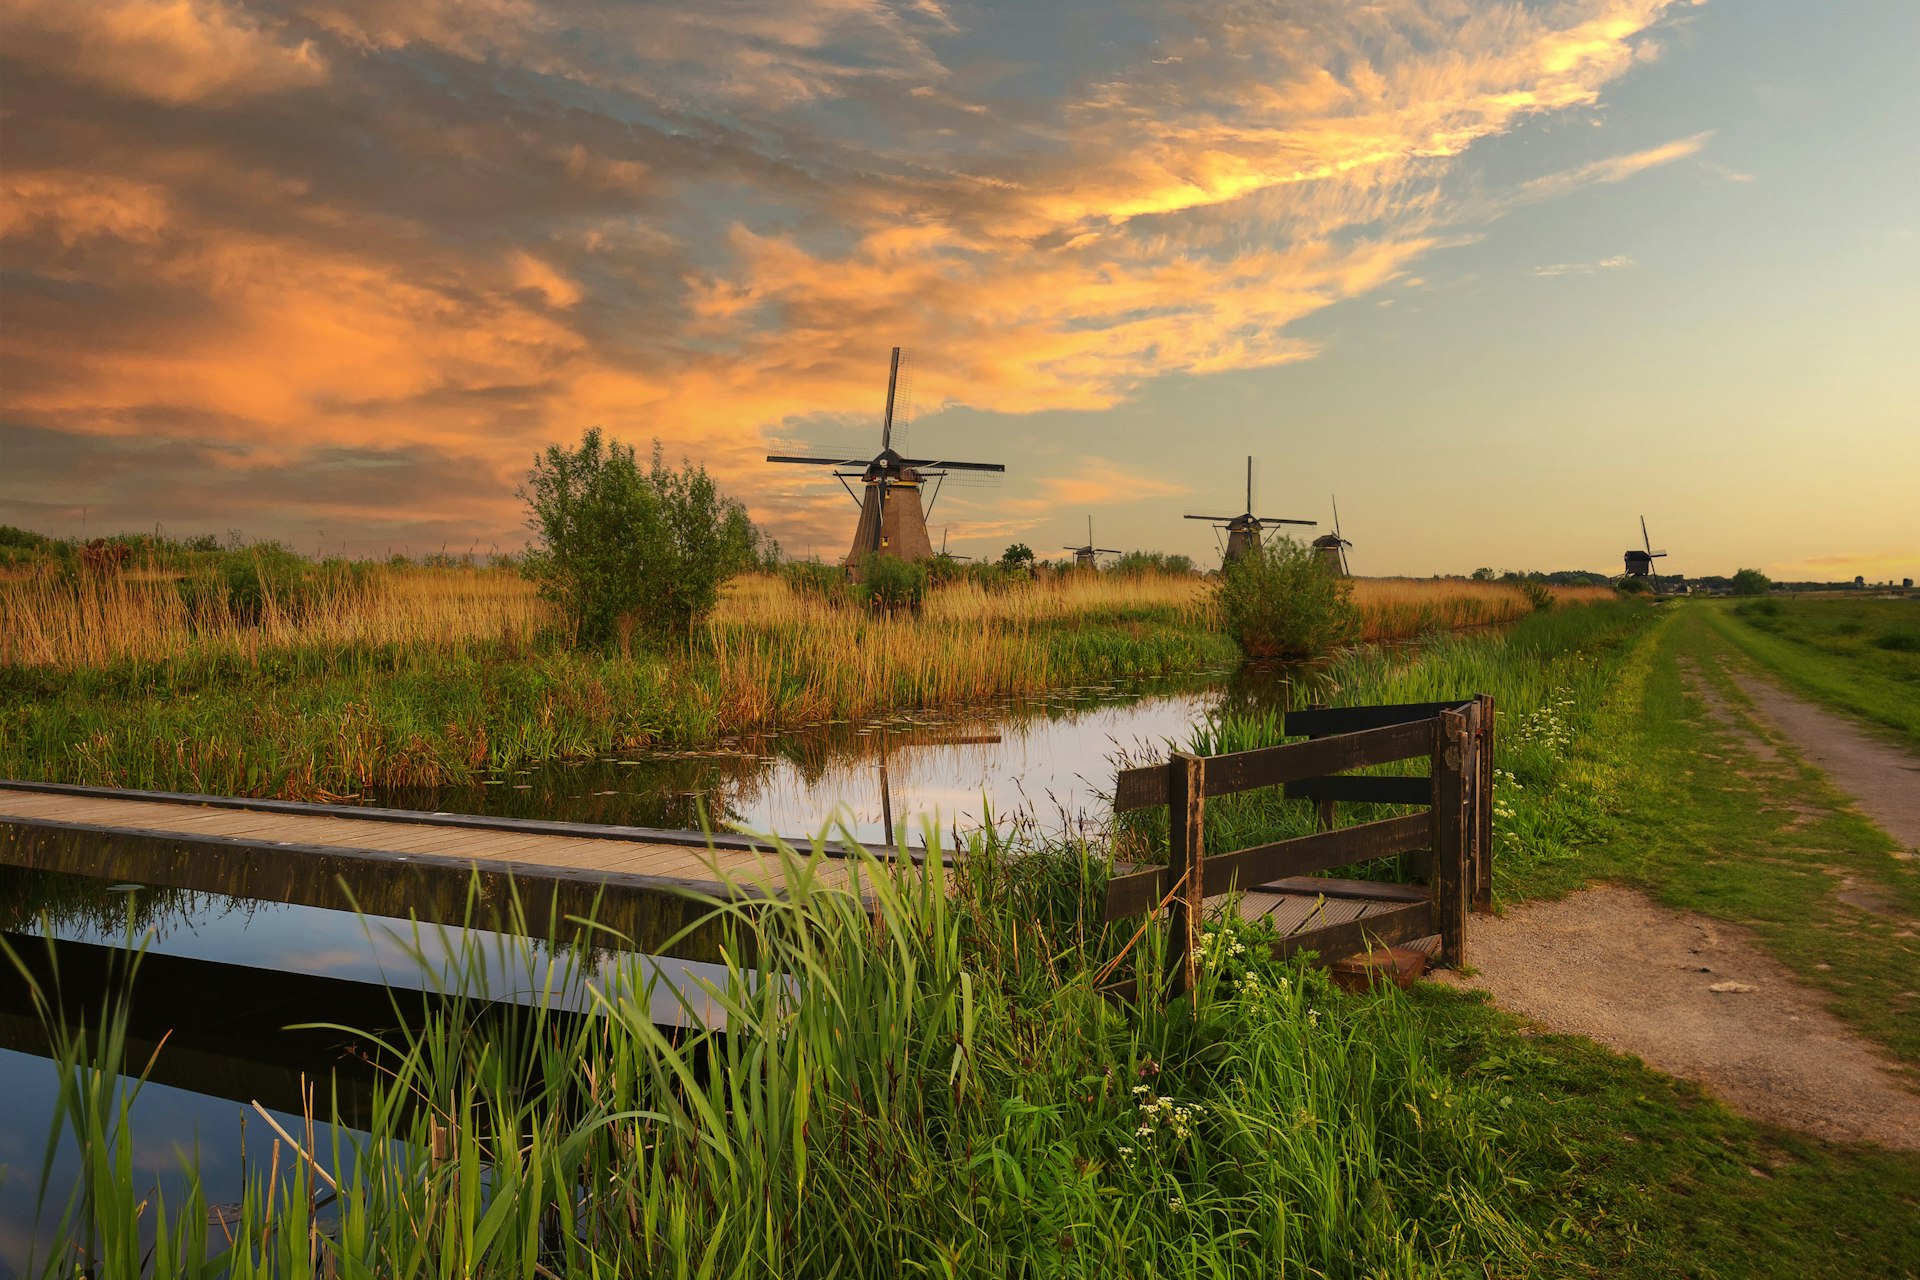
{"points": [[819, 462], [1216, 519], [1645, 541], [893, 383], [1278, 520], [1249, 484], [1109, 551], [923, 463], [1336, 514]]}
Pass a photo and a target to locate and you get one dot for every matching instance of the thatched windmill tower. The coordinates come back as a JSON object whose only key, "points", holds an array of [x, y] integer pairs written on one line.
{"points": [[1639, 564], [1088, 557], [1331, 548], [892, 521], [1243, 530]]}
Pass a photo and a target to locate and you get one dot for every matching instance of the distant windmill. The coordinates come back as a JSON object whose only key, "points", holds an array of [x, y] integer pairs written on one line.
{"points": [[1087, 557], [1331, 548], [1640, 563], [946, 554], [891, 518], [1243, 530]]}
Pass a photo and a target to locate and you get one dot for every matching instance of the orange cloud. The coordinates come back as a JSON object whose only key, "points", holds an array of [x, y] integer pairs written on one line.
{"points": [[370, 238]]}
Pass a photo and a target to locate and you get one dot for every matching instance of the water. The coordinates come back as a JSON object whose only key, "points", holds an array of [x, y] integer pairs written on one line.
{"points": [[1051, 758], [227, 972]]}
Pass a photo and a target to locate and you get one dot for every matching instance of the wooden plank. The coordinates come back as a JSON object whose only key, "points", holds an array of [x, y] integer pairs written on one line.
{"points": [[1362, 789], [1136, 892], [1373, 890], [1271, 766], [1254, 904], [1186, 868], [1140, 788], [1322, 722], [1321, 851], [1401, 924], [1483, 813], [1449, 820]]}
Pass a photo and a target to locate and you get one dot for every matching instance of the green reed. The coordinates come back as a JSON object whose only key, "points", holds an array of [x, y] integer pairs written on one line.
{"points": [[912, 1076]]}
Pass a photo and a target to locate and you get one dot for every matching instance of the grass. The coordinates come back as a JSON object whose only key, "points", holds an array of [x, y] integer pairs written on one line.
{"points": [[1857, 656], [940, 1091]]}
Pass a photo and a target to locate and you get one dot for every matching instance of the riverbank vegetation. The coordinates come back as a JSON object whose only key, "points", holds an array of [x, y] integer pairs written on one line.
{"points": [[255, 672]]}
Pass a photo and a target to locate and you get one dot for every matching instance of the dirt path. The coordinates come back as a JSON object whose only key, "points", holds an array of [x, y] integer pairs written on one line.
{"points": [[1640, 978], [1881, 777]]}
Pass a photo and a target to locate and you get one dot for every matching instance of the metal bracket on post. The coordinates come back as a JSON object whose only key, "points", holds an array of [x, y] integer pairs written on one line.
{"points": [[1482, 833], [1186, 868]]}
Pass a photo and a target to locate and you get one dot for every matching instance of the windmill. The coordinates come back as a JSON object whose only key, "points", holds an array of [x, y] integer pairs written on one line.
{"points": [[1331, 549], [1087, 557], [891, 518], [1640, 562], [1243, 530]]}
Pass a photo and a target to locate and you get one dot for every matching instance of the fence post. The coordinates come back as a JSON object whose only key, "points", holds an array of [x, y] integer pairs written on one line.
{"points": [[1186, 868], [1325, 811], [1483, 805], [1450, 883]]}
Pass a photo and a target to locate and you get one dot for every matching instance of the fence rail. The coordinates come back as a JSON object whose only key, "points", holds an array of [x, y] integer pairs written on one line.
{"points": [[1450, 843]]}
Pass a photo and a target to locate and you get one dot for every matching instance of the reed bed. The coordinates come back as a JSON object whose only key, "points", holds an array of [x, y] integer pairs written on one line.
{"points": [[69, 621]]}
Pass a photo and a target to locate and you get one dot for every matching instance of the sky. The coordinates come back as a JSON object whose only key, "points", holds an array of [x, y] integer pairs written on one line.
{"points": [[1502, 277]]}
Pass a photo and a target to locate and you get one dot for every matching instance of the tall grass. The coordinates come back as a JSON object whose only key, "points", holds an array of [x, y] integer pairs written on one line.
{"points": [[922, 1082]]}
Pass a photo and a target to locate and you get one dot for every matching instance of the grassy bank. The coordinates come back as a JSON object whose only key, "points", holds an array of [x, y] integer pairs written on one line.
{"points": [[1857, 656], [408, 677], [943, 1092]]}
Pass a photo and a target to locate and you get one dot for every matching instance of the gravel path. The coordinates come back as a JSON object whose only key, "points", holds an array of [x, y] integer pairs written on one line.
{"points": [[1881, 777], [1695, 998]]}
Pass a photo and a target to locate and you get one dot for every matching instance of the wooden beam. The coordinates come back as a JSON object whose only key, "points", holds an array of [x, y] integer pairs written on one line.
{"points": [[1272, 766], [1336, 942], [1322, 722], [1322, 851], [1186, 868], [1362, 789], [1449, 818]]}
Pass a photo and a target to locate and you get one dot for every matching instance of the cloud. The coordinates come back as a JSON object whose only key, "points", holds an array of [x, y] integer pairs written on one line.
{"points": [[1613, 263], [170, 51], [1098, 483], [457, 231]]}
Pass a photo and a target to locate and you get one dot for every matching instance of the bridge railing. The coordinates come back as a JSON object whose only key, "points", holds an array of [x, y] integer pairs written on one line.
{"points": [[1449, 843]]}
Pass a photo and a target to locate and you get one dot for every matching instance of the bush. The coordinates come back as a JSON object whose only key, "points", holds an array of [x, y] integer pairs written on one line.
{"points": [[1279, 603], [1899, 641], [1538, 594], [1633, 586], [812, 578], [1017, 556], [1758, 609], [621, 546], [1751, 582], [1141, 563], [888, 582]]}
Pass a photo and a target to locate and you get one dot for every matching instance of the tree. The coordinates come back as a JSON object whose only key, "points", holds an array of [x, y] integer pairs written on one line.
{"points": [[618, 544], [1279, 603], [1751, 582], [1483, 574], [1017, 556]]}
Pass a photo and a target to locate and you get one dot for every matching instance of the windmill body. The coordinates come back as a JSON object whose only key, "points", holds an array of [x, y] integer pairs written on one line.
{"points": [[1244, 531], [1330, 549], [893, 520], [1639, 560], [1088, 557]]}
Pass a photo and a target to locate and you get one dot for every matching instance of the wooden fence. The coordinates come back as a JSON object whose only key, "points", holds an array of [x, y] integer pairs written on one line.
{"points": [[1449, 844]]}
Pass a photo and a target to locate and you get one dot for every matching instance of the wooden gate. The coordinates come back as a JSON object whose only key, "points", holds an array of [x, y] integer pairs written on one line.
{"points": [[1449, 844]]}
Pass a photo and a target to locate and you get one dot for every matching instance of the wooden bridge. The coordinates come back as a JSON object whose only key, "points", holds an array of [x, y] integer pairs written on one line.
{"points": [[438, 866]]}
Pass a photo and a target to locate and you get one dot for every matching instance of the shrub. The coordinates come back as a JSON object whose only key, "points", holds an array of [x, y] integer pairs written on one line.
{"points": [[888, 582], [812, 578], [1538, 594], [1751, 582], [1279, 603], [1758, 609], [249, 579], [622, 545], [1140, 563], [1633, 586], [1899, 641], [1017, 556]]}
